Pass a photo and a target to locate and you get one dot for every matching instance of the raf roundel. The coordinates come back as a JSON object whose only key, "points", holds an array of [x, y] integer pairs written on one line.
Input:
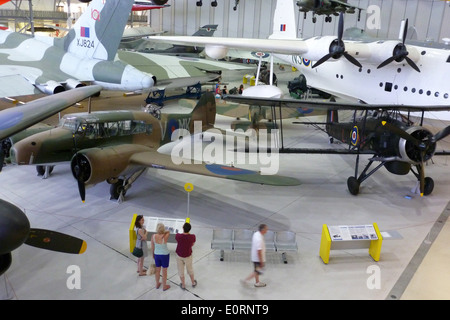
{"points": [[354, 136]]}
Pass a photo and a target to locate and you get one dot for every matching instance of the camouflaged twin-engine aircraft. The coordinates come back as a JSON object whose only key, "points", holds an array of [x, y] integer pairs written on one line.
{"points": [[118, 146]]}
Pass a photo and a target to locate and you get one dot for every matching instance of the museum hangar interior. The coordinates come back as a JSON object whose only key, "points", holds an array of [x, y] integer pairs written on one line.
{"points": [[411, 265]]}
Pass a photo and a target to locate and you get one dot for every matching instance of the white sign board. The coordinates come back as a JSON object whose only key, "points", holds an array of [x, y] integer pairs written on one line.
{"points": [[173, 225], [357, 232]]}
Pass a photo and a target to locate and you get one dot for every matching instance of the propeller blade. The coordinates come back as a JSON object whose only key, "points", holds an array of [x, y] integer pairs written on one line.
{"points": [[352, 60], [340, 26], [322, 60], [81, 188], [442, 134], [386, 62], [401, 133], [405, 31], [412, 64], [5, 262], [55, 241], [422, 178]]}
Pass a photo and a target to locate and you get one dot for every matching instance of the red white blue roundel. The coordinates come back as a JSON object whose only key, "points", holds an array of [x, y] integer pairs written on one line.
{"points": [[259, 54], [306, 62], [354, 136]]}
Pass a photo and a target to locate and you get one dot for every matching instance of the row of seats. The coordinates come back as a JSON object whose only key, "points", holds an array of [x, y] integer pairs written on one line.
{"points": [[241, 239]]}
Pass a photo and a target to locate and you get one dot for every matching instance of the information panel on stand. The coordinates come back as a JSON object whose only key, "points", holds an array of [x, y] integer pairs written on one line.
{"points": [[361, 232], [344, 237]]}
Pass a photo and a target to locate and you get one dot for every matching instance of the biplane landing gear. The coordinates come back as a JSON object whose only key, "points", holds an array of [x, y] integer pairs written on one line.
{"points": [[428, 186], [353, 185]]}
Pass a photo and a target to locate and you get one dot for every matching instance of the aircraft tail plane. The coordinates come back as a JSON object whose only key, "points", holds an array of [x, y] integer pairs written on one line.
{"points": [[98, 31], [205, 111], [284, 26]]}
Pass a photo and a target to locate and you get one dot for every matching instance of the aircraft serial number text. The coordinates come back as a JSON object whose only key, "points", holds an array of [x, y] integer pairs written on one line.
{"points": [[85, 43]]}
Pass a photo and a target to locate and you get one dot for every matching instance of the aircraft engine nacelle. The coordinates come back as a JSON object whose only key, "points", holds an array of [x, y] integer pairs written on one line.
{"points": [[216, 52], [99, 164], [413, 153], [51, 87], [378, 52], [318, 47], [72, 84]]}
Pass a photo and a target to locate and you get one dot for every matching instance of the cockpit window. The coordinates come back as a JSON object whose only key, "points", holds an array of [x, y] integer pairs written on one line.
{"points": [[96, 130]]}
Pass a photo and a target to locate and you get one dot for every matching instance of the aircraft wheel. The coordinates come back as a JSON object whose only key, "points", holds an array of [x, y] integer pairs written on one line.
{"points": [[353, 185], [429, 186], [116, 189]]}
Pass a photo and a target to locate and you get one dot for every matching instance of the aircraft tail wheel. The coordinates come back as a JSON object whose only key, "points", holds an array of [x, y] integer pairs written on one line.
{"points": [[428, 186], [353, 185], [116, 189]]}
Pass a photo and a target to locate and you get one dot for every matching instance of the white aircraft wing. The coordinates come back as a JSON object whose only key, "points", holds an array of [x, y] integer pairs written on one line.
{"points": [[284, 46]]}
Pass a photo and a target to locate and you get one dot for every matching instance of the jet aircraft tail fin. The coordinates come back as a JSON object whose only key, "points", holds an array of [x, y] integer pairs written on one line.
{"points": [[206, 31], [284, 26], [205, 111], [98, 31]]}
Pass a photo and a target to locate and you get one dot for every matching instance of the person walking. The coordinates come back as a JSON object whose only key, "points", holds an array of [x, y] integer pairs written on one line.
{"points": [[258, 255], [161, 255], [185, 241], [141, 242]]}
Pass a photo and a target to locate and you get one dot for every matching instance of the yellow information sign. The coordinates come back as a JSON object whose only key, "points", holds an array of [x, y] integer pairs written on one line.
{"points": [[188, 187]]}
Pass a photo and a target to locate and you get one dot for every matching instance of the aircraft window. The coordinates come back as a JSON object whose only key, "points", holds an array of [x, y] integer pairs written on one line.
{"points": [[413, 90], [138, 127], [420, 91], [405, 89], [396, 87], [428, 92], [112, 128], [91, 131], [126, 127], [446, 95], [399, 70], [368, 70], [436, 94], [388, 87], [70, 124]]}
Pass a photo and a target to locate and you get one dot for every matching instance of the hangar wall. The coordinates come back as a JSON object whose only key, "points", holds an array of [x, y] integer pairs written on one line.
{"points": [[253, 18]]}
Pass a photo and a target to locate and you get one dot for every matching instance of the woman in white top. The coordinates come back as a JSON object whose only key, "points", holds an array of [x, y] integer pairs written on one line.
{"points": [[161, 254]]}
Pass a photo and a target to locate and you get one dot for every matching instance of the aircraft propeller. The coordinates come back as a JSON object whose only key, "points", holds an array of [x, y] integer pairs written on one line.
{"points": [[400, 52], [15, 230], [337, 47], [424, 145], [77, 171]]}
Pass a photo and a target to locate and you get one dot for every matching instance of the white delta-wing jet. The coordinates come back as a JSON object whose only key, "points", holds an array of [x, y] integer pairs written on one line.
{"points": [[85, 55], [380, 72]]}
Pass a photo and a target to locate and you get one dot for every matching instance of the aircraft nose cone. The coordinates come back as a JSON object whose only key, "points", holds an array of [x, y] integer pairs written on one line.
{"points": [[21, 155], [148, 82], [14, 227]]}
